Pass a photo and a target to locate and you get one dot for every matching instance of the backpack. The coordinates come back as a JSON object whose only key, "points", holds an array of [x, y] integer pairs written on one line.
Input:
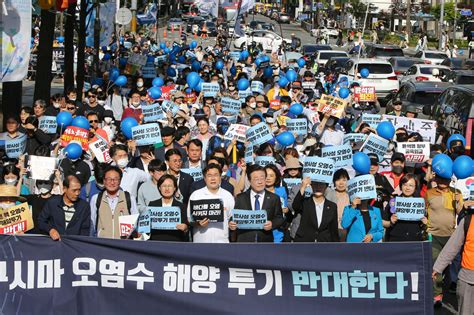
{"points": [[99, 199]]}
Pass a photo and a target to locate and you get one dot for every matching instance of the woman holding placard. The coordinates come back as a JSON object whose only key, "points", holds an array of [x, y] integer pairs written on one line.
{"points": [[402, 230], [167, 185], [362, 222]]}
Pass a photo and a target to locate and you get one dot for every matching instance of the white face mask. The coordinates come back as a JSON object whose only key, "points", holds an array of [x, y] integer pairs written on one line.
{"points": [[11, 181], [270, 120], [72, 99], [108, 120], [56, 105], [44, 190], [122, 163], [140, 84], [135, 104], [6, 205], [101, 102], [253, 105]]}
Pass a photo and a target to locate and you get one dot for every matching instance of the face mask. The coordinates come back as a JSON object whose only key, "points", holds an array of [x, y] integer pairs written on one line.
{"points": [[135, 104], [253, 105], [11, 182], [122, 163], [6, 205], [458, 149], [231, 88], [140, 84], [44, 189], [270, 120], [101, 102], [100, 186], [72, 99], [108, 120], [397, 169], [74, 160], [56, 105], [284, 107]]}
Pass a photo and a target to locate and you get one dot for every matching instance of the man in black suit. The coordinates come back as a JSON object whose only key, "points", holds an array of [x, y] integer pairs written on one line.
{"points": [[318, 215], [174, 161], [258, 198], [167, 137]]}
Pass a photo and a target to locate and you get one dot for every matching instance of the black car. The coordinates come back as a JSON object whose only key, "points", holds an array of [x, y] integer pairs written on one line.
{"points": [[401, 64], [335, 64], [195, 20], [382, 51], [417, 94], [308, 50], [460, 77], [459, 63]]}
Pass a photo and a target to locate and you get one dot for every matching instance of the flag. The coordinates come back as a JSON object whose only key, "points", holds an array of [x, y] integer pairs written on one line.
{"points": [[209, 7]]}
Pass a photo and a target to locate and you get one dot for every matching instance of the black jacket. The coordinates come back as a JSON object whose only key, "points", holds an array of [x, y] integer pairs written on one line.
{"points": [[52, 217], [308, 230], [184, 185], [272, 205], [78, 168], [170, 235]]}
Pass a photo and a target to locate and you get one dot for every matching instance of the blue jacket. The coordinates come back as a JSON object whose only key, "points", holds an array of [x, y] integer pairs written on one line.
{"points": [[52, 217], [353, 222]]}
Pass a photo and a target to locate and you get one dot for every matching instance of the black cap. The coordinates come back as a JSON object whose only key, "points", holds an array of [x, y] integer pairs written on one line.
{"points": [[397, 156], [167, 131], [374, 159]]}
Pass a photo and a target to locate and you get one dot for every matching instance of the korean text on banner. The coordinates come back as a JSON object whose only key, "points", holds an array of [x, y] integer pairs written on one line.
{"points": [[195, 172], [16, 219], [169, 106], [318, 169], [76, 134], [426, 128], [230, 106], [165, 218], [354, 137], [298, 125], [212, 209], [152, 113], [375, 144], [127, 224], [41, 167], [292, 182], [334, 106], [100, 150], [144, 222], [264, 160], [47, 124], [210, 89], [237, 131], [15, 147], [249, 154], [364, 94], [410, 209], [257, 87], [415, 152], [362, 186], [249, 219], [258, 134], [341, 155], [372, 119], [147, 134]]}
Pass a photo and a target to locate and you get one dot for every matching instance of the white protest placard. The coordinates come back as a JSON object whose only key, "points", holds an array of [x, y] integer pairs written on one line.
{"points": [[371, 119], [210, 89], [161, 59], [47, 124], [100, 150], [410, 209], [15, 147], [195, 172], [426, 128], [466, 186], [415, 152], [243, 94], [237, 131], [230, 106], [146, 134], [41, 167], [375, 144], [149, 70], [249, 154], [318, 169], [354, 137], [334, 106], [362, 186], [152, 113], [308, 85], [127, 224], [258, 134], [169, 106], [144, 223], [292, 182], [249, 219], [164, 218], [235, 55], [298, 125], [264, 160], [257, 87], [341, 155]]}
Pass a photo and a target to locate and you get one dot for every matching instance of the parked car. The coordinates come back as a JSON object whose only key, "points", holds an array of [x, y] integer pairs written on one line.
{"points": [[381, 75], [382, 51], [211, 28], [460, 77], [459, 63], [175, 23], [435, 57], [268, 39], [323, 30], [322, 56], [284, 18], [402, 64], [261, 25], [310, 49], [425, 72], [454, 110], [335, 64], [195, 20], [417, 94]]}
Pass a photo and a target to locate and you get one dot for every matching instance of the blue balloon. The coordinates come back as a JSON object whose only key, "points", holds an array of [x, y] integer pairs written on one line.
{"points": [[162, 45], [344, 92], [73, 151], [296, 109], [193, 79], [361, 163], [291, 75], [219, 64], [97, 81], [301, 62], [123, 62], [107, 56], [243, 84], [158, 82], [154, 92], [196, 65], [81, 122], [126, 126], [268, 72], [121, 80], [258, 61], [285, 138], [462, 167], [171, 72], [283, 82], [64, 119], [198, 86], [244, 54], [455, 137], [61, 39], [233, 70], [193, 44], [166, 50], [114, 74], [265, 58], [364, 72], [386, 130], [443, 166]]}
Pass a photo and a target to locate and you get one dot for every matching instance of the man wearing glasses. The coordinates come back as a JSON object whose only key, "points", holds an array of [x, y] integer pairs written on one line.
{"points": [[93, 105], [95, 132], [109, 205]]}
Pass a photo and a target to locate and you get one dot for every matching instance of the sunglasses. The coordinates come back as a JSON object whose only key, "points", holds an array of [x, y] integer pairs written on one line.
{"points": [[70, 108], [93, 121], [92, 96]]}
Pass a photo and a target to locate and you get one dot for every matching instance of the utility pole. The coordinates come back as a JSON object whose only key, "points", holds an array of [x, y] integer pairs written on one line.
{"points": [[455, 24], [133, 24], [441, 25], [408, 22]]}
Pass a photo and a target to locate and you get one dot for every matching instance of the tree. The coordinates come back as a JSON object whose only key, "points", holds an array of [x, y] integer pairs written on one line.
{"points": [[448, 12]]}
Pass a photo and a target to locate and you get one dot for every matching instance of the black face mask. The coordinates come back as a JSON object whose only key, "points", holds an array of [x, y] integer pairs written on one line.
{"points": [[459, 150]]}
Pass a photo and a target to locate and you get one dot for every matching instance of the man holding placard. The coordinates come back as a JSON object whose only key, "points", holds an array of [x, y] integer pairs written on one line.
{"points": [[258, 198]]}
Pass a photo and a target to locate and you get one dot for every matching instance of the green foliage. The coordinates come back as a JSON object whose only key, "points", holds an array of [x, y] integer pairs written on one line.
{"points": [[448, 12]]}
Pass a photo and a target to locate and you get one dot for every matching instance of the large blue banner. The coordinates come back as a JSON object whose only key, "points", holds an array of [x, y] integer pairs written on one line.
{"points": [[82, 275]]}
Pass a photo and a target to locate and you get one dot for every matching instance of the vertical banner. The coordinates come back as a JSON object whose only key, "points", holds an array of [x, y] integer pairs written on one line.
{"points": [[16, 39], [107, 22]]}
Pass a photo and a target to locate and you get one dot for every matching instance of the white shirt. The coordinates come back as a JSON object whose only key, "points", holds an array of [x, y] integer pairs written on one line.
{"points": [[332, 137], [131, 178], [214, 232], [319, 212], [260, 198]]}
